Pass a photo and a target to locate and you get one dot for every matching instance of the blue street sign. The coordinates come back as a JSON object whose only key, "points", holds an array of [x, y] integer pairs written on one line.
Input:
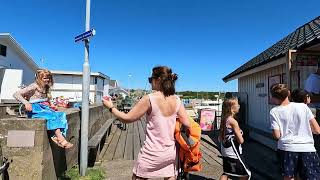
{"points": [[85, 35]]}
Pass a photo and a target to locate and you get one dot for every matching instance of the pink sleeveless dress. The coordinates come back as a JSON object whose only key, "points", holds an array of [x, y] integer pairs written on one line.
{"points": [[158, 155]]}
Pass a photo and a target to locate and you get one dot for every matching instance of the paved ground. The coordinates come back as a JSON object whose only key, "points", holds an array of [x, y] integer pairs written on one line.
{"points": [[262, 161], [122, 146]]}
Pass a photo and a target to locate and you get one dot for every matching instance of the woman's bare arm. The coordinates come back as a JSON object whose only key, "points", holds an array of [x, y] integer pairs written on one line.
{"points": [[134, 114], [183, 116]]}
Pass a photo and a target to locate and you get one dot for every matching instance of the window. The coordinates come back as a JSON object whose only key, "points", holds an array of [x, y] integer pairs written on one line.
{"points": [[3, 50]]}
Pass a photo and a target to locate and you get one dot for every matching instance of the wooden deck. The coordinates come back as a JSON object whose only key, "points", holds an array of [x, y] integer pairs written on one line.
{"points": [[123, 145], [126, 143]]}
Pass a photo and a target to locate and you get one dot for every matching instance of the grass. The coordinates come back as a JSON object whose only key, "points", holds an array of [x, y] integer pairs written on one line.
{"points": [[92, 174]]}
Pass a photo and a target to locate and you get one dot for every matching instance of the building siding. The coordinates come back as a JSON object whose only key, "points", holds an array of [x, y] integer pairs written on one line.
{"points": [[70, 86], [258, 106], [14, 60]]}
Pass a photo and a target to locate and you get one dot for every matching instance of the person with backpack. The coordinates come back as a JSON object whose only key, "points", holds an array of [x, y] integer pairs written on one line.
{"points": [[157, 157], [231, 139], [292, 126]]}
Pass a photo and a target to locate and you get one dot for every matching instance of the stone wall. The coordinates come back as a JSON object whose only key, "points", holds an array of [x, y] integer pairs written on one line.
{"points": [[33, 155]]}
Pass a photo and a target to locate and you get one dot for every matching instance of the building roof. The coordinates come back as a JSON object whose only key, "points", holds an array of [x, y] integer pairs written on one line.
{"points": [[302, 37], [78, 73], [118, 90], [18, 47]]}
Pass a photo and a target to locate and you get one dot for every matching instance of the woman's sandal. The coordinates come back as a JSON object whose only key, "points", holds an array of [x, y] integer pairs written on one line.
{"points": [[65, 144], [55, 140]]}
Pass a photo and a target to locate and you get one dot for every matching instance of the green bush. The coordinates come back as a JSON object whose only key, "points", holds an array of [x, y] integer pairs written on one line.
{"points": [[92, 174]]}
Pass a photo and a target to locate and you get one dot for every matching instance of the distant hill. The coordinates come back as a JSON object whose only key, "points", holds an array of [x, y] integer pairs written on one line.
{"points": [[200, 95]]}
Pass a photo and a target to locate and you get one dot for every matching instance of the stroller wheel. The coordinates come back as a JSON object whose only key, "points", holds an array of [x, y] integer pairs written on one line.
{"points": [[186, 176], [183, 176]]}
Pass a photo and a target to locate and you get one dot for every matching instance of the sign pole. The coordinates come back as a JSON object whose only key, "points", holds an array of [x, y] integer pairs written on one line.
{"points": [[85, 100]]}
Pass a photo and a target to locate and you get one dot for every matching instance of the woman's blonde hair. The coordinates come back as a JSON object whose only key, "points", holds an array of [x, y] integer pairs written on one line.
{"points": [[39, 75], [227, 111]]}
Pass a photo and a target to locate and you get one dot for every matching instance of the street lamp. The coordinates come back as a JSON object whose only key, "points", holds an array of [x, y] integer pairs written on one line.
{"points": [[129, 76]]}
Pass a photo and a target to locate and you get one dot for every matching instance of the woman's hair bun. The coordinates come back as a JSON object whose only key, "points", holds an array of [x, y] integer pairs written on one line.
{"points": [[174, 76]]}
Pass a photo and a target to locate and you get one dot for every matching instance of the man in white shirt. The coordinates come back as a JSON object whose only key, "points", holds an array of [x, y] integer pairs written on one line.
{"points": [[292, 126], [312, 84]]}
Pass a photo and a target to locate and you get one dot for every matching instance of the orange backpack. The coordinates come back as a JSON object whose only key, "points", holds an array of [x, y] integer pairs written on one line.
{"points": [[189, 151]]}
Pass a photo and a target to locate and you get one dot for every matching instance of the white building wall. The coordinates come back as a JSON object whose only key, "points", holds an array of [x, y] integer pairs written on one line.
{"points": [[14, 60], [100, 88], [64, 82], [258, 106], [70, 86], [258, 103]]}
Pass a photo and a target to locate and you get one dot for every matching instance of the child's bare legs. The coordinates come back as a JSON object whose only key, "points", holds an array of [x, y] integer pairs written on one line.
{"points": [[59, 135], [223, 177]]}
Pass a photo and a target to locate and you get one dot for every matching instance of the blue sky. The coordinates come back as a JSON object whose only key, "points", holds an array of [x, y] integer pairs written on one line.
{"points": [[202, 40]]}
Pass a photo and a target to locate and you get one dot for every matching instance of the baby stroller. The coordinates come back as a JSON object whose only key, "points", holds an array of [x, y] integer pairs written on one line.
{"points": [[182, 175], [4, 169], [4, 166], [188, 149]]}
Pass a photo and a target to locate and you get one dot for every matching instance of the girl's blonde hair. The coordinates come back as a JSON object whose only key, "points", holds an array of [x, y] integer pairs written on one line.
{"points": [[44, 73], [227, 110]]}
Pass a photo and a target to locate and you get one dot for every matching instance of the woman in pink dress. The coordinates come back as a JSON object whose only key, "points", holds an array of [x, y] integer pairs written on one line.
{"points": [[157, 157]]}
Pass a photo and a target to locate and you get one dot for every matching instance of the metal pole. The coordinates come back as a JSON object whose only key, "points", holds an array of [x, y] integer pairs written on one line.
{"points": [[85, 100]]}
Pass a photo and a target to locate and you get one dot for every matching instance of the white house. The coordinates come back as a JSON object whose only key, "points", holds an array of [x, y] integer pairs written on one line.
{"points": [[116, 89], [114, 84], [290, 61], [69, 85], [16, 67]]}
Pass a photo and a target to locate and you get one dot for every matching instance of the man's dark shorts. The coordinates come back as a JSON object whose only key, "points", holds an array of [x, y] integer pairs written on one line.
{"points": [[306, 164]]}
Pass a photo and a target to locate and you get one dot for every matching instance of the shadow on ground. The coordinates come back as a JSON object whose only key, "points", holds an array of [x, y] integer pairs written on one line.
{"points": [[262, 161], [214, 137]]}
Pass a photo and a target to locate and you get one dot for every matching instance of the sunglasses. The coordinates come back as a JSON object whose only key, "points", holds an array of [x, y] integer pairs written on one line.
{"points": [[150, 79]]}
